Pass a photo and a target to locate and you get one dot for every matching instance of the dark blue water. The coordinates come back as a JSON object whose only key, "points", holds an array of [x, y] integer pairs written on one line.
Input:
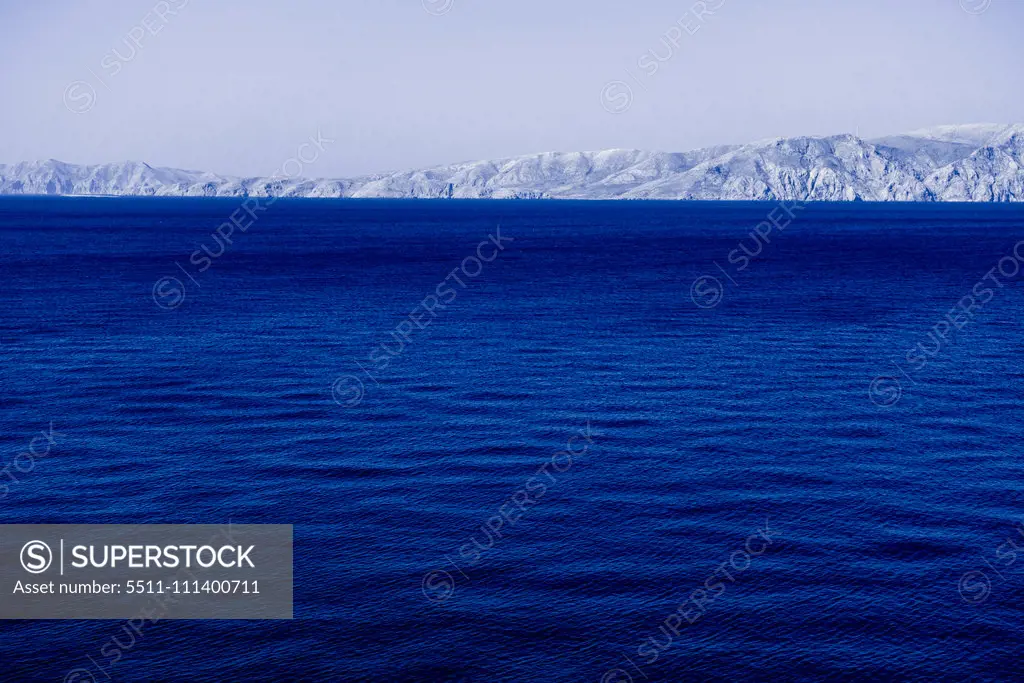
{"points": [[748, 502]]}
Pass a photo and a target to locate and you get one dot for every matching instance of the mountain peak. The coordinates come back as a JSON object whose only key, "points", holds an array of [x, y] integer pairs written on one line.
{"points": [[970, 133]]}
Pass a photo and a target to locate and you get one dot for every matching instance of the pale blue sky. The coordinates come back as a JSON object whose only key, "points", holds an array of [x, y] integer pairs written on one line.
{"points": [[235, 86]]}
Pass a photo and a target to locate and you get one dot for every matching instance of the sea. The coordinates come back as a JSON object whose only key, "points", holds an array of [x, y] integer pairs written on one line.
{"points": [[555, 441]]}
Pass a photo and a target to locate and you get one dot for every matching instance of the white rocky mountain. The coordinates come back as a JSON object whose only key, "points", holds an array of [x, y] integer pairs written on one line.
{"points": [[977, 162]]}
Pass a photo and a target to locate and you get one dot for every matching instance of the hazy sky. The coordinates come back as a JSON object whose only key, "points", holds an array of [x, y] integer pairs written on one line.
{"points": [[235, 86]]}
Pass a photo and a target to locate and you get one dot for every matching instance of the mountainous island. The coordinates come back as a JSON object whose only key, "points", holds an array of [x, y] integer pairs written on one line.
{"points": [[963, 163]]}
